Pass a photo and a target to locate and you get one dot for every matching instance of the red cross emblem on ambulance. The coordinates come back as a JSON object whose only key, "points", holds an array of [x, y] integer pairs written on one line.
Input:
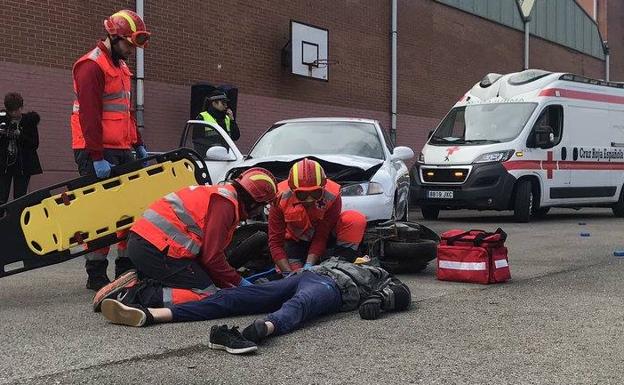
{"points": [[449, 152], [549, 164]]}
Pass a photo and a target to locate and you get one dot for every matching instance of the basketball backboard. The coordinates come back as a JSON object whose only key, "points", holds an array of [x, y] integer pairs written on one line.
{"points": [[308, 51]]}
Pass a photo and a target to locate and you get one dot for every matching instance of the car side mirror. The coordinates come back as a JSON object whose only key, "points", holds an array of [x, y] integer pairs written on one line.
{"points": [[544, 136], [430, 134], [219, 153], [402, 153]]}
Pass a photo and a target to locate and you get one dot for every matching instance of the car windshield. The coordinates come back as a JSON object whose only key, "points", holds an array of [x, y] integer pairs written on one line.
{"points": [[318, 138], [483, 123]]}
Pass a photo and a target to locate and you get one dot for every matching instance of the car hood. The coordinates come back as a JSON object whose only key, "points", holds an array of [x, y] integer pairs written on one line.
{"points": [[342, 169]]}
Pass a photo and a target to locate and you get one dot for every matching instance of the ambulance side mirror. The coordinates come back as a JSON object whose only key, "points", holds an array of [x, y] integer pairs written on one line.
{"points": [[430, 134]]}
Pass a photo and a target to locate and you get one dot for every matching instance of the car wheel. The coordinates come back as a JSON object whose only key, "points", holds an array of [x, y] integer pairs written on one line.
{"points": [[404, 216], [402, 266], [618, 208], [429, 212], [541, 212], [422, 251], [523, 202]]}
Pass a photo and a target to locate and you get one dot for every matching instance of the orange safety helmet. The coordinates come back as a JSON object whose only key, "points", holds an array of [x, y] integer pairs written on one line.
{"points": [[307, 178], [128, 25], [259, 183]]}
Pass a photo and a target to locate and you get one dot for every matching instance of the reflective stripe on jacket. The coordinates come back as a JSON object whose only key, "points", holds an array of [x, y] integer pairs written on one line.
{"points": [[118, 126], [177, 220]]}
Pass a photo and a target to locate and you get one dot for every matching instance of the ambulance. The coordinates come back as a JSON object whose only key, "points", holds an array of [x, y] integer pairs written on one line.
{"points": [[526, 142]]}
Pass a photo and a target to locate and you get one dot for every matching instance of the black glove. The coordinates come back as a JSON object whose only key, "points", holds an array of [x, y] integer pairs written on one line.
{"points": [[370, 309]]}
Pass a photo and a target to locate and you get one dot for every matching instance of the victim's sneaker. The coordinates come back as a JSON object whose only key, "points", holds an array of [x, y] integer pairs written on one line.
{"points": [[124, 281], [230, 340], [257, 331], [120, 314]]}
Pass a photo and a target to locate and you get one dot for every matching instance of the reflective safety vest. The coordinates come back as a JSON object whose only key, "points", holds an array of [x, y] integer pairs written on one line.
{"points": [[301, 222], [118, 126], [210, 119], [177, 220]]}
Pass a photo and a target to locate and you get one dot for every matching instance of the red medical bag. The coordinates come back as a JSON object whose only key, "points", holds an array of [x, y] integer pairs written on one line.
{"points": [[473, 256]]}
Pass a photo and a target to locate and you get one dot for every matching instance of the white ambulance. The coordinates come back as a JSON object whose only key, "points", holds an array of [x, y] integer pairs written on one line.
{"points": [[526, 142]]}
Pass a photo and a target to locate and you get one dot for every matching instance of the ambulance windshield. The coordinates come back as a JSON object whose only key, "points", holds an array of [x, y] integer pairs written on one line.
{"points": [[483, 123]]}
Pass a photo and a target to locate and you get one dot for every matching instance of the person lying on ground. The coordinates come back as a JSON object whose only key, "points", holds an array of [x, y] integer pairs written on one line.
{"points": [[328, 288]]}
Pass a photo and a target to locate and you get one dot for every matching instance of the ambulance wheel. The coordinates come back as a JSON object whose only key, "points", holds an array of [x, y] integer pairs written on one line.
{"points": [[429, 212], [618, 208], [523, 202], [423, 250]]}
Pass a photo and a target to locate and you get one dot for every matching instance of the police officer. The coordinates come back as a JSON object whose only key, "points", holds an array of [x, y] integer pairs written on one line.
{"points": [[216, 111]]}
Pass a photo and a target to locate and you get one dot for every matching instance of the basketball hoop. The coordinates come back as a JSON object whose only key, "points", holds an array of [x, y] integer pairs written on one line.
{"points": [[320, 63]]}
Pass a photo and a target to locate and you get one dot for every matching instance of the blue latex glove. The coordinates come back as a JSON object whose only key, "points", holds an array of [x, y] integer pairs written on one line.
{"points": [[141, 152], [244, 282], [102, 168], [307, 266]]}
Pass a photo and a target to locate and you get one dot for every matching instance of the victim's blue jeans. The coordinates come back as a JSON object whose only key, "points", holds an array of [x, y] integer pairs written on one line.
{"points": [[290, 302]]}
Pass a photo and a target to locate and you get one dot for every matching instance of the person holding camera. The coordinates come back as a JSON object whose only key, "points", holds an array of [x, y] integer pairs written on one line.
{"points": [[19, 140]]}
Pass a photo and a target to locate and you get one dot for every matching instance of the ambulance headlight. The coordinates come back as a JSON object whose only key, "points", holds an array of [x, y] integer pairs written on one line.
{"points": [[491, 157]]}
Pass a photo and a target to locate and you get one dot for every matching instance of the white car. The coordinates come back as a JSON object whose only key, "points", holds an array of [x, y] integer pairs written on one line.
{"points": [[356, 153]]}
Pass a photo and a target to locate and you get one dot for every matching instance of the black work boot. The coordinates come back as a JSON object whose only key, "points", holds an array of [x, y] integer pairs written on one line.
{"points": [[97, 277], [122, 265]]}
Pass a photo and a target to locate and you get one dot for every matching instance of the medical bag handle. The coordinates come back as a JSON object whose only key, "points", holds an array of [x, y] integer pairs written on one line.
{"points": [[479, 238]]}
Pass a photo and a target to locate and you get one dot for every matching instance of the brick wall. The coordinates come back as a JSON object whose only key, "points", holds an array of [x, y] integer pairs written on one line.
{"points": [[616, 39], [442, 52]]}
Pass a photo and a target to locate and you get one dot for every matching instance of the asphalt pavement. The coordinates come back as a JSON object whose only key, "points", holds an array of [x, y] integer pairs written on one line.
{"points": [[558, 321]]}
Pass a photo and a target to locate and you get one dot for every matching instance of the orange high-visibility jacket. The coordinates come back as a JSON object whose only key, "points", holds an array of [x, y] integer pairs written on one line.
{"points": [[118, 126], [178, 220], [301, 222]]}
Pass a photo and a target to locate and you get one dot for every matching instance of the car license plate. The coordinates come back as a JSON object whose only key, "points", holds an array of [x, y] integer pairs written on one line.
{"points": [[440, 194]]}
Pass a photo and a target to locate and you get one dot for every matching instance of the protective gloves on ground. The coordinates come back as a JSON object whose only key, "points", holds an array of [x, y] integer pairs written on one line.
{"points": [[307, 266], [102, 168], [244, 282]]}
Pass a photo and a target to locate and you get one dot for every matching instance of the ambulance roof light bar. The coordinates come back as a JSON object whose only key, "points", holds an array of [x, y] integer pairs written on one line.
{"points": [[586, 80]]}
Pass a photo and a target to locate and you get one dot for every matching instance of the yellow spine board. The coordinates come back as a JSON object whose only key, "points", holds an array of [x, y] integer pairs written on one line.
{"points": [[102, 208]]}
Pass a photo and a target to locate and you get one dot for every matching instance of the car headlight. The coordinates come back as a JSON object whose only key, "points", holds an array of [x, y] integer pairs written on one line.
{"points": [[361, 189], [491, 157]]}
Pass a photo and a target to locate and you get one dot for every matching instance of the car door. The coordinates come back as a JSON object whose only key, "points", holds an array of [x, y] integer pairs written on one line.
{"points": [[214, 146]]}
